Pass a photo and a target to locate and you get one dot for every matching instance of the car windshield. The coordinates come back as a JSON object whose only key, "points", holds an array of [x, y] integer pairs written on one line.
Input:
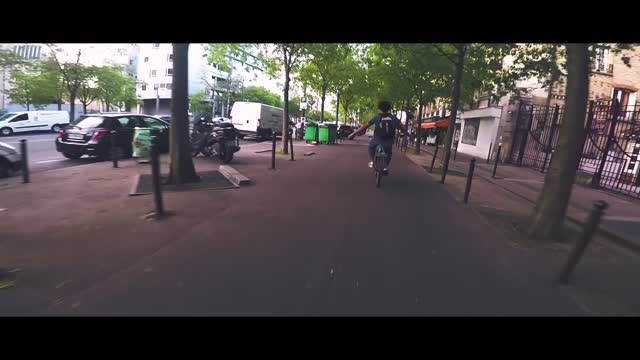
{"points": [[6, 116], [91, 122]]}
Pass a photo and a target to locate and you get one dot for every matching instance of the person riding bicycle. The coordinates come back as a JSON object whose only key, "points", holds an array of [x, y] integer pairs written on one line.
{"points": [[384, 133]]}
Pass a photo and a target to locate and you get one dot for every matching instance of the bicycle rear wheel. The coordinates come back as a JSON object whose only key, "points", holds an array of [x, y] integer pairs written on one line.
{"points": [[378, 178]]}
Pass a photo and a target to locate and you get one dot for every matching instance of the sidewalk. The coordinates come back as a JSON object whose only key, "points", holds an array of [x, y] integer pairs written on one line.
{"points": [[309, 238], [620, 224]]}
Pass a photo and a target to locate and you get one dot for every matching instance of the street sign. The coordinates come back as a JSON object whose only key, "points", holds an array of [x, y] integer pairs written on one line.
{"points": [[303, 104]]}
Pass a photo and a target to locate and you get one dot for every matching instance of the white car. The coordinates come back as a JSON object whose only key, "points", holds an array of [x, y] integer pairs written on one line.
{"points": [[22, 121]]}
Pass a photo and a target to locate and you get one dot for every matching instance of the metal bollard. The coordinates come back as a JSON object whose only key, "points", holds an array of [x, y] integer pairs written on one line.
{"points": [[472, 166], [587, 234], [25, 161], [114, 148], [455, 152], [495, 163], [433, 161], [489, 154], [273, 151], [155, 176], [291, 141]]}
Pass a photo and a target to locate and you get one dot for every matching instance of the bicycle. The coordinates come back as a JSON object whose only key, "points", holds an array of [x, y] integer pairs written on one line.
{"points": [[379, 163]]}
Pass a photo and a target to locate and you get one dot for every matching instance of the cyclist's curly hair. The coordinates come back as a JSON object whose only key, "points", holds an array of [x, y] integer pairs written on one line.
{"points": [[384, 105]]}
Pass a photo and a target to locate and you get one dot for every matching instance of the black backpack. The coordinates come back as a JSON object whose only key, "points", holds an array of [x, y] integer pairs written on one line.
{"points": [[386, 127]]}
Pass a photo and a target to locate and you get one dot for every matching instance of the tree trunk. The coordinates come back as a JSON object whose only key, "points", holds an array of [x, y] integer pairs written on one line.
{"points": [[337, 107], [553, 78], [28, 107], [455, 102], [72, 106], [285, 122], [322, 97], [181, 166], [547, 219], [419, 129], [59, 105], [84, 107]]}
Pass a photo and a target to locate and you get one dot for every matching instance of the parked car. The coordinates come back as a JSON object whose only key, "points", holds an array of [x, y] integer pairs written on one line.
{"points": [[10, 160], [92, 134], [21, 121]]}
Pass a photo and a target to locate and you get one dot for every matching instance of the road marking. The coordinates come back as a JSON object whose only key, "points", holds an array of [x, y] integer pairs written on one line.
{"points": [[48, 161]]}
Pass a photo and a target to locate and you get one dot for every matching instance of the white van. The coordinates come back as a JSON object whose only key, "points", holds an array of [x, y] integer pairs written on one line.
{"points": [[21, 121], [256, 119]]}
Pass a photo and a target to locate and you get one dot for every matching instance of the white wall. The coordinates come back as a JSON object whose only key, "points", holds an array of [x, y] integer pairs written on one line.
{"points": [[486, 135], [158, 60]]}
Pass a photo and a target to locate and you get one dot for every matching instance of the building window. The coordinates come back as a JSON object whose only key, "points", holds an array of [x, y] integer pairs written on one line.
{"points": [[470, 133], [600, 61], [169, 86], [162, 86], [146, 59], [144, 87], [156, 46], [153, 73], [170, 58], [169, 72]]}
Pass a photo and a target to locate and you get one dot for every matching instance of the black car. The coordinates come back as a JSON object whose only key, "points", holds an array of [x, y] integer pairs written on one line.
{"points": [[91, 135]]}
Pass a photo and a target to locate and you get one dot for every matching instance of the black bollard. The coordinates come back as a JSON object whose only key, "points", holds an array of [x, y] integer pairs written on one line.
{"points": [[455, 152], [273, 151], [433, 161], [155, 177], [114, 148], [495, 163], [291, 141], [25, 161], [581, 245], [472, 166], [489, 154]]}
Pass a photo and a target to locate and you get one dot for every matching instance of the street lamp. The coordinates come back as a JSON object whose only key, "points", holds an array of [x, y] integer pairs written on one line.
{"points": [[156, 87]]}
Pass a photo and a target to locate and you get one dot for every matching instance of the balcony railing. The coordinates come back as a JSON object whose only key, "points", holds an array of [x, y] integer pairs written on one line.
{"points": [[600, 68]]}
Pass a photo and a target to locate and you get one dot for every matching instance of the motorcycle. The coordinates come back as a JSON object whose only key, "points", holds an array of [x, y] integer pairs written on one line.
{"points": [[216, 139]]}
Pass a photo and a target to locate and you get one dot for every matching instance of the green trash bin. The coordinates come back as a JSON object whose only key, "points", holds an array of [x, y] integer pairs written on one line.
{"points": [[310, 131], [323, 134], [141, 142], [332, 133]]}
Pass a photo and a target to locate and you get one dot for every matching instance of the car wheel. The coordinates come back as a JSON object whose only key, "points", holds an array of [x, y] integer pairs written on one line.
{"points": [[56, 128], [72, 156], [6, 131]]}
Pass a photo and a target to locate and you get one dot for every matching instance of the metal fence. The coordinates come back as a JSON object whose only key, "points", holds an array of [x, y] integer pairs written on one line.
{"points": [[611, 147]]}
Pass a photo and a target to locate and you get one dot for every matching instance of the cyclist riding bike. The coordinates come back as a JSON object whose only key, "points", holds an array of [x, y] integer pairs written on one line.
{"points": [[384, 133]]}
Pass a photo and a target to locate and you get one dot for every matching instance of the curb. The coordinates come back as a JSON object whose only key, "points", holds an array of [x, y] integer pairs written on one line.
{"points": [[234, 175]]}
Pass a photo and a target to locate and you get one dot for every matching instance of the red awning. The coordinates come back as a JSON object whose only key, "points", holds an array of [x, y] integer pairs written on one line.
{"points": [[433, 124]]}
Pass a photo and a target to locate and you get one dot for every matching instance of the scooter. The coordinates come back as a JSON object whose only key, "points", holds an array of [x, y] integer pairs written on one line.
{"points": [[222, 141]]}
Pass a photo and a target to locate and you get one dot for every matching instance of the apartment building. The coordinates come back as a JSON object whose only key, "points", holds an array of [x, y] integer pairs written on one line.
{"points": [[155, 75]]}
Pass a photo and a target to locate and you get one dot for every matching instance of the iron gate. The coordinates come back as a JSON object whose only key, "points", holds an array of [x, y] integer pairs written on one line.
{"points": [[611, 150]]}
